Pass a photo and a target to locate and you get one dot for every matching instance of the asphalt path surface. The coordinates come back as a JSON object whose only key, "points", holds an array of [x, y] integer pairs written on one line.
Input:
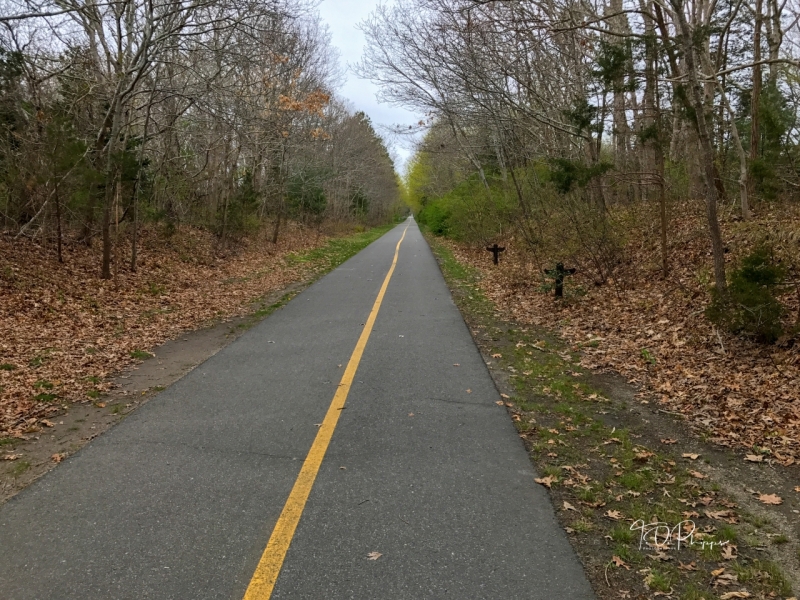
{"points": [[179, 499]]}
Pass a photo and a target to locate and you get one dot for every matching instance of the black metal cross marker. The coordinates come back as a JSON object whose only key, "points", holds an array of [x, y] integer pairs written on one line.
{"points": [[558, 274], [496, 250]]}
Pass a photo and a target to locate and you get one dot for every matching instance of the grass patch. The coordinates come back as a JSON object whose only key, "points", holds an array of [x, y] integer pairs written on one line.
{"points": [[765, 573], [583, 526], [19, 468], [337, 250], [623, 534], [141, 355], [93, 394], [45, 397], [7, 367], [780, 539], [692, 592], [658, 581], [463, 280], [727, 534], [756, 521], [155, 289], [265, 311], [634, 481], [37, 361]]}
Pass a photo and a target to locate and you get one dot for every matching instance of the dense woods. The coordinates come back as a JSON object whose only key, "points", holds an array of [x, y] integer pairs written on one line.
{"points": [[213, 114], [575, 125]]}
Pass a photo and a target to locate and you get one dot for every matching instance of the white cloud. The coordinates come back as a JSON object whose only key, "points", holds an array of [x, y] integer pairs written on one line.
{"points": [[342, 17]]}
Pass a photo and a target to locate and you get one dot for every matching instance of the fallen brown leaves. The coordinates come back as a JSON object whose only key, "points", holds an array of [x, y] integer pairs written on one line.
{"points": [[618, 562], [722, 515], [654, 332], [63, 330], [546, 481], [770, 499]]}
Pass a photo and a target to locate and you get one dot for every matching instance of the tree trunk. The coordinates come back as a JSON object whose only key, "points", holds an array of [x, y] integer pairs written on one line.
{"points": [[100, 143], [277, 226], [706, 151], [743, 178], [655, 137], [755, 100], [138, 186], [224, 219], [135, 232], [774, 39], [116, 231], [58, 225], [106, 270], [112, 178]]}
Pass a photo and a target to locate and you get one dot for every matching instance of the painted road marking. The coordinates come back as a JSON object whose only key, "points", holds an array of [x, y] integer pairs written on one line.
{"points": [[269, 567]]}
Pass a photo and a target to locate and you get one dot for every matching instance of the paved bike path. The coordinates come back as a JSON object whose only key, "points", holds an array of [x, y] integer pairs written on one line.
{"points": [[179, 500]]}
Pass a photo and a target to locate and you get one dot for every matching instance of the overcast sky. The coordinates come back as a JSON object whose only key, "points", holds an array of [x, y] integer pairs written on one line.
{"points": [[342, 16]]}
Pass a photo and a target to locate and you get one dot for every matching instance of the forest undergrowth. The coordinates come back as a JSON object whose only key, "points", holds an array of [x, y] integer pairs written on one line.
{"points": [[732, 390]]}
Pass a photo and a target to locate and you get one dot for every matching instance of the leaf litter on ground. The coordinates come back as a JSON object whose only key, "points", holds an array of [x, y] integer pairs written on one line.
{"points": [[64, 330]]}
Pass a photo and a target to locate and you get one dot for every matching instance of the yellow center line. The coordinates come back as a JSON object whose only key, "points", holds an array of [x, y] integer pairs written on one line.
{"points": [[269, 567]]}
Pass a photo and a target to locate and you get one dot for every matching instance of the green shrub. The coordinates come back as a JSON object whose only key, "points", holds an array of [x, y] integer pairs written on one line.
{"points": [[306, 195], [435, 216], [749, 307]]}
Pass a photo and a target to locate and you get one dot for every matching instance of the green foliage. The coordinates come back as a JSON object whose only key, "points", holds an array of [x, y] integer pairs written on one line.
{"points": [[417, 178], [683, 104], [10, 72], [240, 215], [435, 216], [305, 193], [359, 204], [583, 116], [468, 212], [775, 120], [614, 63], [749, 307], [565, 173]]}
